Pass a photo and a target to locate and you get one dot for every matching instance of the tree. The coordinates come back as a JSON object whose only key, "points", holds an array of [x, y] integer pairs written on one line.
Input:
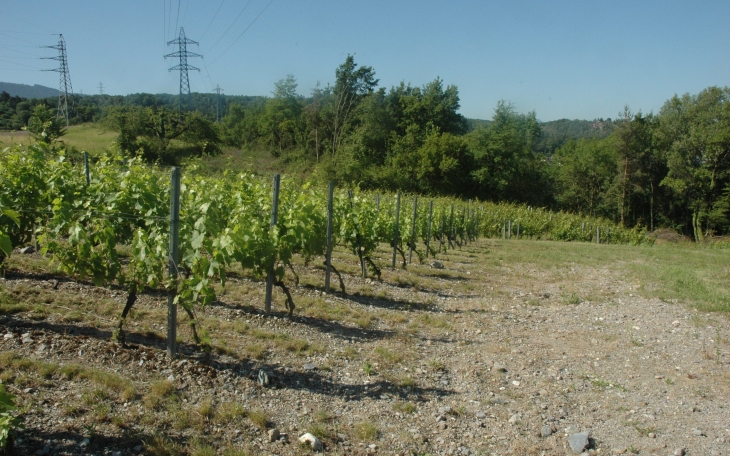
{"points": [[352, 84], [43, 125], [505, 166], [444, 164], [280, 124], [695, 131], [583, 172], [633, 144], [149, 132]]}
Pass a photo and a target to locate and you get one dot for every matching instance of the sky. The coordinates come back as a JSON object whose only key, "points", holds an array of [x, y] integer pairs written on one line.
{"points": [[563, 59]]}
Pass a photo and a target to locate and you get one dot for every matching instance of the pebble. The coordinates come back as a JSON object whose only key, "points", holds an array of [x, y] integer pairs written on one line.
{"points": [[263, 378], [313, 441], [437, 265], [8, 336], [679, 452], [274, 435], [445, 410], [45, 450], [697, 432], [514, 418], [578, 442], [309, 367], [481, 415], [546, 431]]}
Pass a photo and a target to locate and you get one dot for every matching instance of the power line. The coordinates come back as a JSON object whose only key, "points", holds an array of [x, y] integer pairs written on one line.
{"points": [[19, 39], [242, 33], [22, 64], [185, 14], [177, 19], [22, 52], [211, 21], [229, 27], [207, 72]]}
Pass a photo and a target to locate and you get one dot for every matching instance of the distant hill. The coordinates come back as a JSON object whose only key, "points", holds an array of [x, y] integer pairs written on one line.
{"points": [[28, 91], [555, 133]]}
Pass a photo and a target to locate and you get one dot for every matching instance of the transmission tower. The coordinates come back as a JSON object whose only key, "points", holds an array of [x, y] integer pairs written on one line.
{"points": [[218, 91], [183, 53], [65, 85], [101, 89]]}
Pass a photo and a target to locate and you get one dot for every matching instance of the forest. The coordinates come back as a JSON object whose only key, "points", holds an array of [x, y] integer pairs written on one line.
{"points": [[669, 169]]}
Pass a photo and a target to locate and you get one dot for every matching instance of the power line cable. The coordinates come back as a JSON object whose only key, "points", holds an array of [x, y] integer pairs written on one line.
{"points": [[205, 86], [22, 64], [242, 33], [207, 72], [22, 52], [229, 27], [177, 19], [211, 21], [19, 39], [185, 14], [30, 33]]}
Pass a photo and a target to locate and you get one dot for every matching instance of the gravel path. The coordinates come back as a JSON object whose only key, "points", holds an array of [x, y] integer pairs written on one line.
{"points": [[491, 368]]}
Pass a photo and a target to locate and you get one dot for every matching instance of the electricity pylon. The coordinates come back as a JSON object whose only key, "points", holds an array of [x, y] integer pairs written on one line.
{"points": [[218, 91], [65, 84], [183, 53]]}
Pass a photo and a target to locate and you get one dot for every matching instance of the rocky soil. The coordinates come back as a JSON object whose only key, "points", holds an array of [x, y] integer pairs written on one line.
{"points": [[431, 361]]}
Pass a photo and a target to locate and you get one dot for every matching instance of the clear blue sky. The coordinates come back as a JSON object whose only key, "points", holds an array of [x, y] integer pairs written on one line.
{"points": [[564, 59]]}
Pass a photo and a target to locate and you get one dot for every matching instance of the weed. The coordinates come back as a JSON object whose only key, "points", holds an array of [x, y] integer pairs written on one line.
{"points": [[387, 356], [257, 351], [159, 445], [160, 390], [644, 432], [365, 430], [322, 416], [404, 407], [436, 364], [406, 382], [320, 431], [205, 408], [367, 368], [229, 412], [258, 418]]}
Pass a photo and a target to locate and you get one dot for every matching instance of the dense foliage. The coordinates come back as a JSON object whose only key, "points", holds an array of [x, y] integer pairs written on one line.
{"points": [[669, 169]]}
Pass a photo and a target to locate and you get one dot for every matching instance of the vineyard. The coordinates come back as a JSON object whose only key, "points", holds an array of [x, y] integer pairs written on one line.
{"points": [[443, 331], [110, 221]]}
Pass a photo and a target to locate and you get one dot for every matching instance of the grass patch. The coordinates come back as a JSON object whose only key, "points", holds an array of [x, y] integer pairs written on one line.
{"points": [[229, 412], [365, 430], [404, 407], [259, 418]]}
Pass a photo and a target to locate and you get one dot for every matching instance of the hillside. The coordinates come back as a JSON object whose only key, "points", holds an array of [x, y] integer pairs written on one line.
{"points": [[27, 91]]}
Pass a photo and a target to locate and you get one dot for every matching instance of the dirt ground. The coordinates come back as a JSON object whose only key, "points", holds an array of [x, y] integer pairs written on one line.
{"points": [[472, 355]]}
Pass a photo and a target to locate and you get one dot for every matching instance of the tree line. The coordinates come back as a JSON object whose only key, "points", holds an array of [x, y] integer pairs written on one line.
{"points": [[669, 169]]}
